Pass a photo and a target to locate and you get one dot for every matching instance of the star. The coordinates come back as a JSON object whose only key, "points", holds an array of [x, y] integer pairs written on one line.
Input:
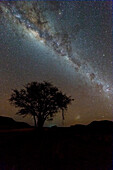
{"points": [[68, 43]]}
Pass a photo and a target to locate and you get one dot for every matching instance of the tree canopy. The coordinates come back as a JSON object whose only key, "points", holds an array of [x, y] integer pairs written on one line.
{"points": [[41, 100]]}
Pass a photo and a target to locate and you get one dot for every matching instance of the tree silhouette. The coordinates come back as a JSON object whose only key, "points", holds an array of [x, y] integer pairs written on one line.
{"points": [[41, 100]]}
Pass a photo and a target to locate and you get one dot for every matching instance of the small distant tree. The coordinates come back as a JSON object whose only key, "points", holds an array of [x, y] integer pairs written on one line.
{"points": [[41, 100]]}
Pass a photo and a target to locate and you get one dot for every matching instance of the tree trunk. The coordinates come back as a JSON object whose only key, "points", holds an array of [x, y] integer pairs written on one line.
{"points": [[40, 122], [63, 114]]}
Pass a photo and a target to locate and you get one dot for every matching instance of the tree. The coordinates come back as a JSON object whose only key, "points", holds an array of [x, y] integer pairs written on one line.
{"points": [[41, 100]]}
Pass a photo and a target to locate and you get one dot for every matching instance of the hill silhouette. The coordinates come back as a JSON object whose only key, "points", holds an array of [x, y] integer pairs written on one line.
{"points": [[9, 123], [104, 126]]}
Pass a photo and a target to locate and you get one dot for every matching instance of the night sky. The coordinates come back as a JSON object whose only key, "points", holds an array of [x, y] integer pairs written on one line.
{"points": [[67, 43]]}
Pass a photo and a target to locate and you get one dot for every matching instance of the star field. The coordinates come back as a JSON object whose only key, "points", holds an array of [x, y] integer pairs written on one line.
{"points": [[66, 43]]}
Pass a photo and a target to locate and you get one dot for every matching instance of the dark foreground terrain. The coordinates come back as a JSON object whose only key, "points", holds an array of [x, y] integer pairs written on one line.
{"points": [[75, 148]]}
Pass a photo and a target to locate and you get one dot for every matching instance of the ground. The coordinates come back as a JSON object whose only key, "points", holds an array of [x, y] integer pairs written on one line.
{"points": [[55, 148]]}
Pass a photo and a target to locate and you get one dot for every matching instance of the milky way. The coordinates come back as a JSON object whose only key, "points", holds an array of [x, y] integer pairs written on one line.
{"points": [[64, 32]]}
